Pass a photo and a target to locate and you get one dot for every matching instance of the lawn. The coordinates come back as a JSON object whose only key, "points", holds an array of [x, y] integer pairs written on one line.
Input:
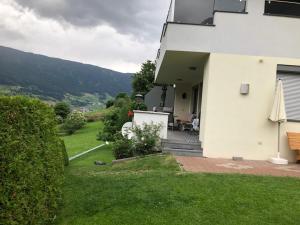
{"points": [[84, 139], [154, 190]]}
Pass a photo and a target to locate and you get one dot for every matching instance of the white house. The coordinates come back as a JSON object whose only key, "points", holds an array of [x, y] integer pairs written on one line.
{"points": [[224, 57]]}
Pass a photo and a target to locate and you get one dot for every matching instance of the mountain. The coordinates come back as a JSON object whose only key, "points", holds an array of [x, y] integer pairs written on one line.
{"points": [[57, 79]]}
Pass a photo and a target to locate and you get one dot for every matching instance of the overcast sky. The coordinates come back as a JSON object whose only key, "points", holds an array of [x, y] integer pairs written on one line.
{"points": [[115, 34]]}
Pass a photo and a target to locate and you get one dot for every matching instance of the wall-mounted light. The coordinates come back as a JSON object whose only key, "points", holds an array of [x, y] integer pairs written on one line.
{"points": [[245, 89]]}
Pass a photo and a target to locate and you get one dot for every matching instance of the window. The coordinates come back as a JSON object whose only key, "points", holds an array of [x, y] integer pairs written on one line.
{"points": [[238, 6], [290, 76], [283, 7]]}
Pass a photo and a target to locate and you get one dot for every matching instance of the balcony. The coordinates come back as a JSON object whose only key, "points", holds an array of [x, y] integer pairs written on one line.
{"points": [[202, 12], [254, 28]]}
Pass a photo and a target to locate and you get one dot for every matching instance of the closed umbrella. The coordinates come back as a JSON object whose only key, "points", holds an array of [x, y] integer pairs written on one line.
{"points": [[278, 115]]}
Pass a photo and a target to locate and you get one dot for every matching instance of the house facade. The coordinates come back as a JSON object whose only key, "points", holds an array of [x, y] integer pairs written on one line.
{"points": [[224, 58]]}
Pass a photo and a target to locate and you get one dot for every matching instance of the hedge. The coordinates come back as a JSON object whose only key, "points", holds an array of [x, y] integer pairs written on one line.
{"points": [[64, 153], [31, 162]]}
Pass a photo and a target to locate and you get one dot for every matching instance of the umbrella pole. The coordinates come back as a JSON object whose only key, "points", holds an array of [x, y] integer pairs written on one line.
{"points": [[278, 154]]}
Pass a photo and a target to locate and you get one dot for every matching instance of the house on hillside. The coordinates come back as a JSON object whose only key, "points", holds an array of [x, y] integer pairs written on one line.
{"points": [[224, 57]]}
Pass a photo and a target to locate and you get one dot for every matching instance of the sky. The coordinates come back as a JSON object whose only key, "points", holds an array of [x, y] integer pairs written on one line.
{"points": [[114, 34]]}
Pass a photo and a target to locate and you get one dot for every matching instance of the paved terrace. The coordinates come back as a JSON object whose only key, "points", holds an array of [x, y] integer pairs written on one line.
{"points": [[205, 165], [183, 136]]}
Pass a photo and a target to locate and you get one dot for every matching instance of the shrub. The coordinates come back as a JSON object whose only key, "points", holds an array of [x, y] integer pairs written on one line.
{"points": [[59, 120], [93, 117], [31, 162], [64, 153], [146, 139], [109, 103], [115, 119], [123, 148], [74, 122], [122, 95], [62, 109], [138, 106]]}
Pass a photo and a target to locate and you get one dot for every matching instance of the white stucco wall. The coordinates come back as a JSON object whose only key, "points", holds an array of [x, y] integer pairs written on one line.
{"points": [[237, 125], [204, 101], [156, 118]]}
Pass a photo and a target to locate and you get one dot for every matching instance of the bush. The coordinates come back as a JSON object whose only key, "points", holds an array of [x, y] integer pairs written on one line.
{"points": [[146, 139], [93, 117], [62, 109], [115, 119], [109, 103], [123, 148], [74, 122], [138, 106], [59, 120], [122, 95], [64, 153], [31, 162]]}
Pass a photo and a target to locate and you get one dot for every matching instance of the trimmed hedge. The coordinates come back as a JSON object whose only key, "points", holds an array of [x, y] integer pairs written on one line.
{"points": [[31, 162], [65, 153]]}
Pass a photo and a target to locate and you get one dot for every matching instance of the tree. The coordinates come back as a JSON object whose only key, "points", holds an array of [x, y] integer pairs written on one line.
{"points": [[62, 109], [115, 119], [109, 103], [121, 95], [143, 81]]}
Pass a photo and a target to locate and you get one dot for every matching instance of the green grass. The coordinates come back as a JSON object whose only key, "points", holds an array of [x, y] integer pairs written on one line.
{"points": [[84, 139], [153, 190]]}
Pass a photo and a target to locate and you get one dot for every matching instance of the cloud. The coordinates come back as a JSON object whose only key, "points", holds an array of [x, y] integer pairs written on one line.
{"points": [[109, 37], [138, 17], [8, 33]]}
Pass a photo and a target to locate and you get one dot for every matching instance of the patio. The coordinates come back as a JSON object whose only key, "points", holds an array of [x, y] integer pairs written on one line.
{"points": [[262, 168], [183, 136]]}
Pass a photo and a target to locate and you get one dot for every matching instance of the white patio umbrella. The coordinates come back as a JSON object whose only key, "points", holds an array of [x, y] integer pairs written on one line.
{"points": [[278, 115]]}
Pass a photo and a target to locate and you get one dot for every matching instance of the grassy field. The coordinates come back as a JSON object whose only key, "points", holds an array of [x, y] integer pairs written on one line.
{"points": [[154, 191], [83, 139]]}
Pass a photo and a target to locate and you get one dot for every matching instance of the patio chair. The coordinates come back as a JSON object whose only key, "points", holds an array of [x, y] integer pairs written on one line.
{"points": [[186, 123], [196, 123]]}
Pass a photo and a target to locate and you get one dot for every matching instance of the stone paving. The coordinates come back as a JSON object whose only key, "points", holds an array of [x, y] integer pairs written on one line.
{"points": [[263, 168]]}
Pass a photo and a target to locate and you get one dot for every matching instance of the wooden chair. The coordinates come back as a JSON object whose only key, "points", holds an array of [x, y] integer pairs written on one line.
{"points": [[294, 142]]}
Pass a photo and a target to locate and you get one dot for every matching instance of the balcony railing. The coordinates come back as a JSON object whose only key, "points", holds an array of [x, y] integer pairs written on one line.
{"points": [[201, 12], [290, 8]]}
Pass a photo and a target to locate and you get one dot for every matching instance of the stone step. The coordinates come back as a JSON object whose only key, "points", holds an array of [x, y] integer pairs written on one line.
{"points": [[183, 152]]}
